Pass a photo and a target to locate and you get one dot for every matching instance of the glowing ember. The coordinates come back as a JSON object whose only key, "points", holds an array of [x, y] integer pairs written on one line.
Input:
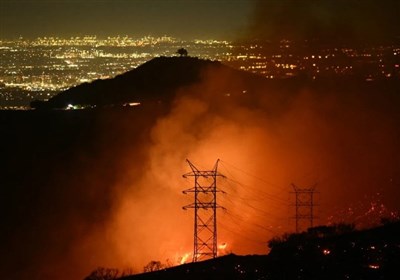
{"points": [[185, 258], [368, 212], [222, 246], [374, 266], [326, 252]]}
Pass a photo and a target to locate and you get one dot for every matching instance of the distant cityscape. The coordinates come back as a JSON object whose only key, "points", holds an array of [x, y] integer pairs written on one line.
{"points": [[40, 68]]}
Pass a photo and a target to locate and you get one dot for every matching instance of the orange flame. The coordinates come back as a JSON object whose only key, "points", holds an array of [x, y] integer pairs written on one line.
{"points": [[185, 258], [222, 246]]}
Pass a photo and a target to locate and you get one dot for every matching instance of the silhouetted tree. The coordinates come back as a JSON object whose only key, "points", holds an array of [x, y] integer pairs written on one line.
{"points": [[127, 272], [37, 104], [277, 241], [153, 266], [343, 228], [182, 52], [321, 231], [389, 220], [102, 273]]}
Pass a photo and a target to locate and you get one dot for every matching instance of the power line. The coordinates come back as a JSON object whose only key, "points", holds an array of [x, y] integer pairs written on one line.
{"points": [[248, 188], [304, 207], [264, 214], [235, 217], [253, 194], [205, 223], [244, 236], [254, 176]]}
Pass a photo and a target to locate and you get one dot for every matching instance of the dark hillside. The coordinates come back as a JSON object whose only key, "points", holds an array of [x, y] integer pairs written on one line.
{"points": [[58, 175], [368, 254], [155, 81], [161, 79]]}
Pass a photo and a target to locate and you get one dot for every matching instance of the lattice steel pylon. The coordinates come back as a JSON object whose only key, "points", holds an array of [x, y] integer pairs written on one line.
{"points": [[304, 205], [205, 222]]}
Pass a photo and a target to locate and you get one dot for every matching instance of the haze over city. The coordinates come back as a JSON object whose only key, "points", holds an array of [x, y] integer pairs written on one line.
{"points": [[189, 19], [178, 18]]}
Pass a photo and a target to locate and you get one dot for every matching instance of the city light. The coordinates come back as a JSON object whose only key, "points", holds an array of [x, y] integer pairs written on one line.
{"points": [[43, 67]]}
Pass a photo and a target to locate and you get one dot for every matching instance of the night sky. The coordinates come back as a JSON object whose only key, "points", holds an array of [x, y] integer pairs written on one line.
{"points": [[189, 19], [184, 19]]}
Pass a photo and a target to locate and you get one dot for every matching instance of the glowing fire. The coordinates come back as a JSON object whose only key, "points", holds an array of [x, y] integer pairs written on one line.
{"points": [[326, 252], [184, 258], [374, 266], [222, 246]]}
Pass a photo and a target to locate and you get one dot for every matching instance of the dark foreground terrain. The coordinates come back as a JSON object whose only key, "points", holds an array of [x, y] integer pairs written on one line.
{"points": [[58, 175], [322, 253]]}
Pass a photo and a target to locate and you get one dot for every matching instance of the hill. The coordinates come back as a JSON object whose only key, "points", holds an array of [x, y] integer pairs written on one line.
{"points": [[335, 252], [162, 79], [154, 81]]}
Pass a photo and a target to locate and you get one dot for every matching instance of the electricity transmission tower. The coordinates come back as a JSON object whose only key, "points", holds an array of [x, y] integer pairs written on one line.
{"points": [[304, 205], [205, 222]]}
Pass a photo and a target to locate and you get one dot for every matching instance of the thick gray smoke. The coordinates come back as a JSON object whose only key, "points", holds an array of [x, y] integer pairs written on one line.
{"points": [[328, 21]]}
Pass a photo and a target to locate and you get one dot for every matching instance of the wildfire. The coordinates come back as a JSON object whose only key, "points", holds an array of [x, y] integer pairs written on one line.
{"points": [[222, 246], [374, 266], [184, 258], [367, 212], [222, 249], [326, 252]]}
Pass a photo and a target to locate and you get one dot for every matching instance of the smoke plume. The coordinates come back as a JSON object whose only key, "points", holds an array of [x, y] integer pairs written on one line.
{"points": [[327, 21], [342, 142], [112, 195]]}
